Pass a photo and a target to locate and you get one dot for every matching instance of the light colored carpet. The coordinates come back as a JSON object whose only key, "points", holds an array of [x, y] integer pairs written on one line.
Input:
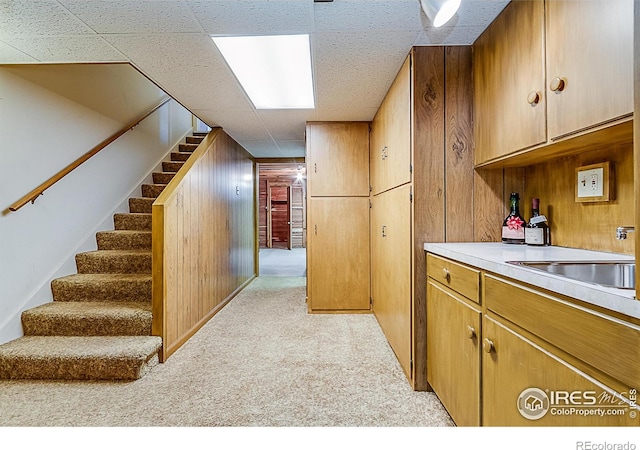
{"points": [[278, 262], [261, 361]]}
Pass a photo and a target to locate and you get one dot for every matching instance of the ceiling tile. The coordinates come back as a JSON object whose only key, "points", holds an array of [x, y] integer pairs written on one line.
{"points": [[261, 149], [253, 17], [449, 36], [292, 149], [38, 18], [355, 69], [347, 114], [368, 15], [118, 16], [243, 124], [286, 124], [67, 48], [10, 55]]}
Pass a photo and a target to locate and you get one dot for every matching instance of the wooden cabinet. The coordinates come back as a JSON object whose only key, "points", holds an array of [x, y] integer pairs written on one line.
{"points": [[519, 377], [338, 159], [532, 359], [390, 153], [391, 270], [587, 49], [339, 262], [508, 66], [590, 50], [338, 255], [453, 343]]}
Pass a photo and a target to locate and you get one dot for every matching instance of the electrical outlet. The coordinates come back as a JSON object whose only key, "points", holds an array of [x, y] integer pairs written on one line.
{"points": [[591, 182]]}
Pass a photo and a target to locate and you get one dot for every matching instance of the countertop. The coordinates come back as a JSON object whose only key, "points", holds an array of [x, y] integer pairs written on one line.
{"points": [[493, 257]]}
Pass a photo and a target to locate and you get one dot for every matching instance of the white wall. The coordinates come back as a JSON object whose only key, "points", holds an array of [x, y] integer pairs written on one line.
{"points": [[40, 133]]}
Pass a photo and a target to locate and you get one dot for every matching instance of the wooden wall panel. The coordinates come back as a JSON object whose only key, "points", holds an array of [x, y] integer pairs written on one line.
{"points": [[204, 240], [636, 127], [584, 225]]}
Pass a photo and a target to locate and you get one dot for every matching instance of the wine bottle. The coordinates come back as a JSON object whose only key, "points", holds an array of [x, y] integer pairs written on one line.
{"points": [[537, 231], [514, 224]]}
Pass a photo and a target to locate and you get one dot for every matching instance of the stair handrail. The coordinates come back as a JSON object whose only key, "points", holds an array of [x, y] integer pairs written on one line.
{"points": [[38, 191]]}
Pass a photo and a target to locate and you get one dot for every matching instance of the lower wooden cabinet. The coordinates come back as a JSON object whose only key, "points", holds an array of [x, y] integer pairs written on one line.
{"points": [[391, 270], [338, 256], [453, 353], [525, 385], [517, 356]]}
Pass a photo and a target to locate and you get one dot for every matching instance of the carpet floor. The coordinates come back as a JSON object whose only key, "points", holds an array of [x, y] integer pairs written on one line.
{"points": [[260, 362]]}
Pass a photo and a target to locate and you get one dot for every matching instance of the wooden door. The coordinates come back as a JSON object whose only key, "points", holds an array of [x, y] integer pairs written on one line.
{"points": [[509, 72], [453, 352], [515, 364], [289, 218], [297, 208], [338, 258], [338, 159], [589, 47], [390, 159], [391, 270], [278, 217]]}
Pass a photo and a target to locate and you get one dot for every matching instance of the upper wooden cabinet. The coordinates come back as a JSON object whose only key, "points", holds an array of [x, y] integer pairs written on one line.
{"points": [[508, 74], [587, 49], [590, 50], [391, 135], [337, 152]]}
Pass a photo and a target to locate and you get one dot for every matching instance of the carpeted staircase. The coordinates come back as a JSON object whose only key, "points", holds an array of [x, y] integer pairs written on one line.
{"points": [[99, 325]]}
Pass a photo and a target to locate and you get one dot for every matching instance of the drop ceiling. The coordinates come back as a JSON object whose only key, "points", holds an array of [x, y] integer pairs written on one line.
{"points": [[358, 47]]}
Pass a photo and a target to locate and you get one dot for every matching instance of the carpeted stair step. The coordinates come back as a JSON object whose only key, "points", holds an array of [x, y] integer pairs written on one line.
{"points": [[114, 261], [79, 357], [88, 319], [187, 147], [92, 287], [171, 166], [132, 221], [179, 156], [141, 205], [194, 139], [152, 190], [123, 240], [162, 177]]}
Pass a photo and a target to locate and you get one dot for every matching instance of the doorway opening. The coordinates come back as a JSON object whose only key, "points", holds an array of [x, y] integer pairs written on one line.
{"points": [[282, 219]]}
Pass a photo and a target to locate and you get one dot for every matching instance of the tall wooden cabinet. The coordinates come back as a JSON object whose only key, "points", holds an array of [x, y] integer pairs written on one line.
{"points": [[338, 255], [587, 50], [411, 150]]}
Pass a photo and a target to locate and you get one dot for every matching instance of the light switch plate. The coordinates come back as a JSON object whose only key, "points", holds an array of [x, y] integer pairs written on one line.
{"points": [[593, 183]]}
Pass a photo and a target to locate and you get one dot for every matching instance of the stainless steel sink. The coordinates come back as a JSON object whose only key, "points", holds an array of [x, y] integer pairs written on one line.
{"points": [[617, 274]]}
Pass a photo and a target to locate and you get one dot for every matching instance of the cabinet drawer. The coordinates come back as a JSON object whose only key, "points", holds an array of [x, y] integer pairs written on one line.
{"points": [[462, 279], [606, 343]]}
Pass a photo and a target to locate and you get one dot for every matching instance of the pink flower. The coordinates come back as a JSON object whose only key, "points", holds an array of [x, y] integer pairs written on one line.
{"points": [[514, 223]]}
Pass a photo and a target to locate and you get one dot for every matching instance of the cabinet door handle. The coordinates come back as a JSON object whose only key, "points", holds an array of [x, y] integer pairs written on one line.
{"points": [[315, 167], [533, 98], [487, 345], [384, 231], [315, 230], [446, 274], [471, 332], [385, 153], [557, 85]]}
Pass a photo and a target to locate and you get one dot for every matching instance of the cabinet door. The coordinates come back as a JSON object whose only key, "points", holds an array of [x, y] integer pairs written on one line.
{"points": [[338, 269], [590, 48], [508, 74], [338, 159], [391, 155], [453, 353], [518, 374], [391, 270]]}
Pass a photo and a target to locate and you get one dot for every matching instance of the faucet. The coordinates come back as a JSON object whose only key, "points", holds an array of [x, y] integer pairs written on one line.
{"points": [[621, 232]]}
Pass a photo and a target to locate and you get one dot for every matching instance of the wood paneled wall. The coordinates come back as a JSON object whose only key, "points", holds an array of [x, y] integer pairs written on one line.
{"points": [[590, 226], [204, 240]]}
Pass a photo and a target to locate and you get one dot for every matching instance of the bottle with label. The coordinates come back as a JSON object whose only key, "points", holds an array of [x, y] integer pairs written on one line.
{"points": [[537, 231], [513, 225]]}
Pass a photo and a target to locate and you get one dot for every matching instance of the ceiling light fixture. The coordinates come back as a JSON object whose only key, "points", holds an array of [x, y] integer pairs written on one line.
{"points": [[274, 71], [440, 12]]}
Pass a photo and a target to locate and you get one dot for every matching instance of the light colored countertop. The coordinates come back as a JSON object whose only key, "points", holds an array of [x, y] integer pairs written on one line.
{"points": [[493, 257]]}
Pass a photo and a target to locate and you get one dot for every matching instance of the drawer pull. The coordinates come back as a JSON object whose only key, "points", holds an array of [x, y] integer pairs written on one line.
{"points": [[487, 345], [471, 332], [446, 274], [557, 85]]}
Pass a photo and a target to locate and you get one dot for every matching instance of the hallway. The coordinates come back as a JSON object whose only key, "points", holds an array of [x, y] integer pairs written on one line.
{"points": [[277, 262]]}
